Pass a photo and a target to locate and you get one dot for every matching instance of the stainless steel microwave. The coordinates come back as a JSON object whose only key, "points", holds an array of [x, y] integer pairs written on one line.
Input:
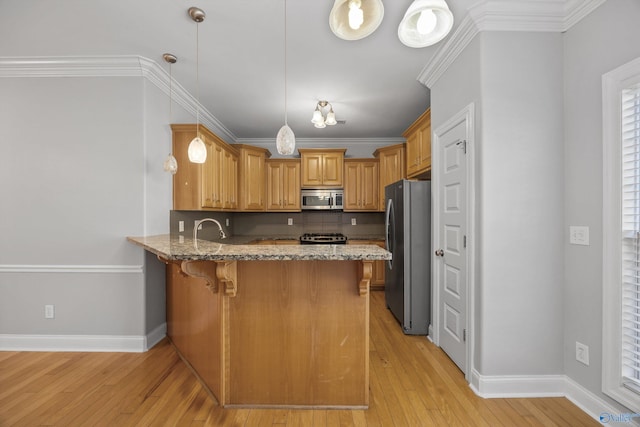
{"points": [[322, 199]]}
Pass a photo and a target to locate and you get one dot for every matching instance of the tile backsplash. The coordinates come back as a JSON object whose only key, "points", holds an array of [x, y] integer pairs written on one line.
{"points": [[275, 224]]}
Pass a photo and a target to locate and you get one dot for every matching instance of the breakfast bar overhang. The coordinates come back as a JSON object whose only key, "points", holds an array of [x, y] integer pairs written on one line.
{"points": [[271, 325]]}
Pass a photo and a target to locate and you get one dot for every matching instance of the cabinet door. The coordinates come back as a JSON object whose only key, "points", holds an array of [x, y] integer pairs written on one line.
{"points": [[332, 165], [351, 186], [413, 154], [230, 181], [218, 178], [291, 186], [369, 186], [274, 185], [391, 169], [254, 181], [312, 170], [207, 178], [424, 139]]}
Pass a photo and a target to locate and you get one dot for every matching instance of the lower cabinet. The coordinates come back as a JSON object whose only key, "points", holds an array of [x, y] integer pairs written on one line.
{"points": [[377, 277]]}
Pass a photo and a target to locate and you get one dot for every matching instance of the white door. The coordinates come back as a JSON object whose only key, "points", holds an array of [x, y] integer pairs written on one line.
{"points": [[450, 261]]}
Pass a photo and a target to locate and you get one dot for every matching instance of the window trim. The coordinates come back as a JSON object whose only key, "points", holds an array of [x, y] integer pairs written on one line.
{"points": [[613, 83]]}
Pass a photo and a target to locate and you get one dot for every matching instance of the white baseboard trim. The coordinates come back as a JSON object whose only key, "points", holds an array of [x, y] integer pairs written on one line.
{"points": [[155, 336], [517, 386], [587, 401], [83, 343], [503, 386]]}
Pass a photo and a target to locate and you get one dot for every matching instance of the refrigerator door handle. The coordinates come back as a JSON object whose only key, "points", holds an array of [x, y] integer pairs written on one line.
{"points": [[390, 237]]}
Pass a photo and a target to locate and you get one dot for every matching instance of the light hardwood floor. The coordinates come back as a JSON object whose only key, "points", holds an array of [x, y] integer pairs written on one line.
{"points": [[413, 383]]}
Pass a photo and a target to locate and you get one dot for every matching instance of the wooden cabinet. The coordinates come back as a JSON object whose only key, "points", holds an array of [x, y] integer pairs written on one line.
{"points": [[251, 177], [377, 277], [283, 185], [322, 167], [230, 181], [211, 185], [361, 189], [391, 168], [418, 147]]}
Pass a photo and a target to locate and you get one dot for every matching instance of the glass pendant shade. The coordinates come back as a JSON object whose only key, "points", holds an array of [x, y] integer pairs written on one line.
{"points": [[317, 116], [425, 23], [355, 19], [331, 118], [171, 164], [197, 151], [320, 125], [285, 141]]}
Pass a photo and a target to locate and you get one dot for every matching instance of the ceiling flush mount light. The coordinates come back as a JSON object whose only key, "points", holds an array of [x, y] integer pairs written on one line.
{"points": [[355, 19], [319, 120], [197, 151], [285, 139], [170, 163], [425, 23]]}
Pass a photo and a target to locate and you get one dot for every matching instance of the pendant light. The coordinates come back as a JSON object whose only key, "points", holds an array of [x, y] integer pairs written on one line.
{"points": [[197, 150], [170, 163], [425, 23], [285, 140], [355, 19]]}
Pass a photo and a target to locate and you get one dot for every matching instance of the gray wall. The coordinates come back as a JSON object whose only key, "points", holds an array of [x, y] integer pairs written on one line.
{"points": [[515, 81], [603, 41], [82, 169]]}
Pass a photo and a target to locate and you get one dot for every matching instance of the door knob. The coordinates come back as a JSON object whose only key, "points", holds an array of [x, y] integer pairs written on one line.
{"points": [[439, 252]]}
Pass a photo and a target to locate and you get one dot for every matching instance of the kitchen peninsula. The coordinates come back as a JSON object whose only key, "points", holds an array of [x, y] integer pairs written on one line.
{"points": [[271, 325]]}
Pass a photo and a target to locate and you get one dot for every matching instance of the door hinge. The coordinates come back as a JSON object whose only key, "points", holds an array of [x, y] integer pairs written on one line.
{"points": [[463, 143], [464, 335], [464, 242]]}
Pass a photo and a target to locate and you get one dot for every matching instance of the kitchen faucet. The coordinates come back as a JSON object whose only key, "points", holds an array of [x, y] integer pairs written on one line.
{"points": [[199, 223]]}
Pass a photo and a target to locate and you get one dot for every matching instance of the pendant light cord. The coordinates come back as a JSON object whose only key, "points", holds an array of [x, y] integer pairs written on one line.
{"points": [[285, 62], [198, 80]]}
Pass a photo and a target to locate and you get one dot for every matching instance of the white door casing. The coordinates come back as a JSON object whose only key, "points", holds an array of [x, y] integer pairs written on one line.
{"points": [[453, 213]]}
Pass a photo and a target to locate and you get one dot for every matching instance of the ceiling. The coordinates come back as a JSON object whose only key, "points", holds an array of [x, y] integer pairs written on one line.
{"points": [[370, 82]]}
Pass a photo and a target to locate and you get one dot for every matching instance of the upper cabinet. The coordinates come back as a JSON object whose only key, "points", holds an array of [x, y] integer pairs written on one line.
{"points": [[322, 167], [391, 168], [283, 185], [251, 177], [210, 185], [361, 189], [418, 147]]}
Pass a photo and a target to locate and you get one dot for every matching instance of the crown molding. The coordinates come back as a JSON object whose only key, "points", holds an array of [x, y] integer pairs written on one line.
{"points": [[505, 15], [326, 142], [112, 66]]}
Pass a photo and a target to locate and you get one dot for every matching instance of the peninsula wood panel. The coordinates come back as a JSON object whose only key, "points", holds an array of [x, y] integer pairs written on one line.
{"points": [[194, 325], [299, 335]]}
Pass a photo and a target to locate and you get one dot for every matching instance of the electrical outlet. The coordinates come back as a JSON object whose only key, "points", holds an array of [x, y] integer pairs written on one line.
{"points": [[226, 221], [196, 222], [180, 226], [579, 235], [49, 311], [353, 221], [582, 353], [289, 221]]}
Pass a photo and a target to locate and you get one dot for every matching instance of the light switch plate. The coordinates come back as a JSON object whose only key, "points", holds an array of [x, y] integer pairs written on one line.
{"points": [[579, 235]]}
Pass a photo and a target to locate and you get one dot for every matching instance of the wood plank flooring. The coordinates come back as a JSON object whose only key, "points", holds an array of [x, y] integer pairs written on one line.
{"points": [[413, 383]]}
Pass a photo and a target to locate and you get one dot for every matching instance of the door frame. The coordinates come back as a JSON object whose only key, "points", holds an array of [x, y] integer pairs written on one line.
{"points": [[466, 115]]}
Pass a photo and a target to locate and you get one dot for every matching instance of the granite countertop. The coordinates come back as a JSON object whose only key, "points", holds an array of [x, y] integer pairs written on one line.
{"points": [[238, 248]]}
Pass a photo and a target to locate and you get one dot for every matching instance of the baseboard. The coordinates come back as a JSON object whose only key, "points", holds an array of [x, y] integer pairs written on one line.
{"points": [[155, 336], [518, 386], [83, 343], [502, 386], [587, 401]]}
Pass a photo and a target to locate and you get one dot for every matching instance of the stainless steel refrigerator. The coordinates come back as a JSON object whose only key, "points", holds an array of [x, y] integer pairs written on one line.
{"points": [[407, 284]]}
